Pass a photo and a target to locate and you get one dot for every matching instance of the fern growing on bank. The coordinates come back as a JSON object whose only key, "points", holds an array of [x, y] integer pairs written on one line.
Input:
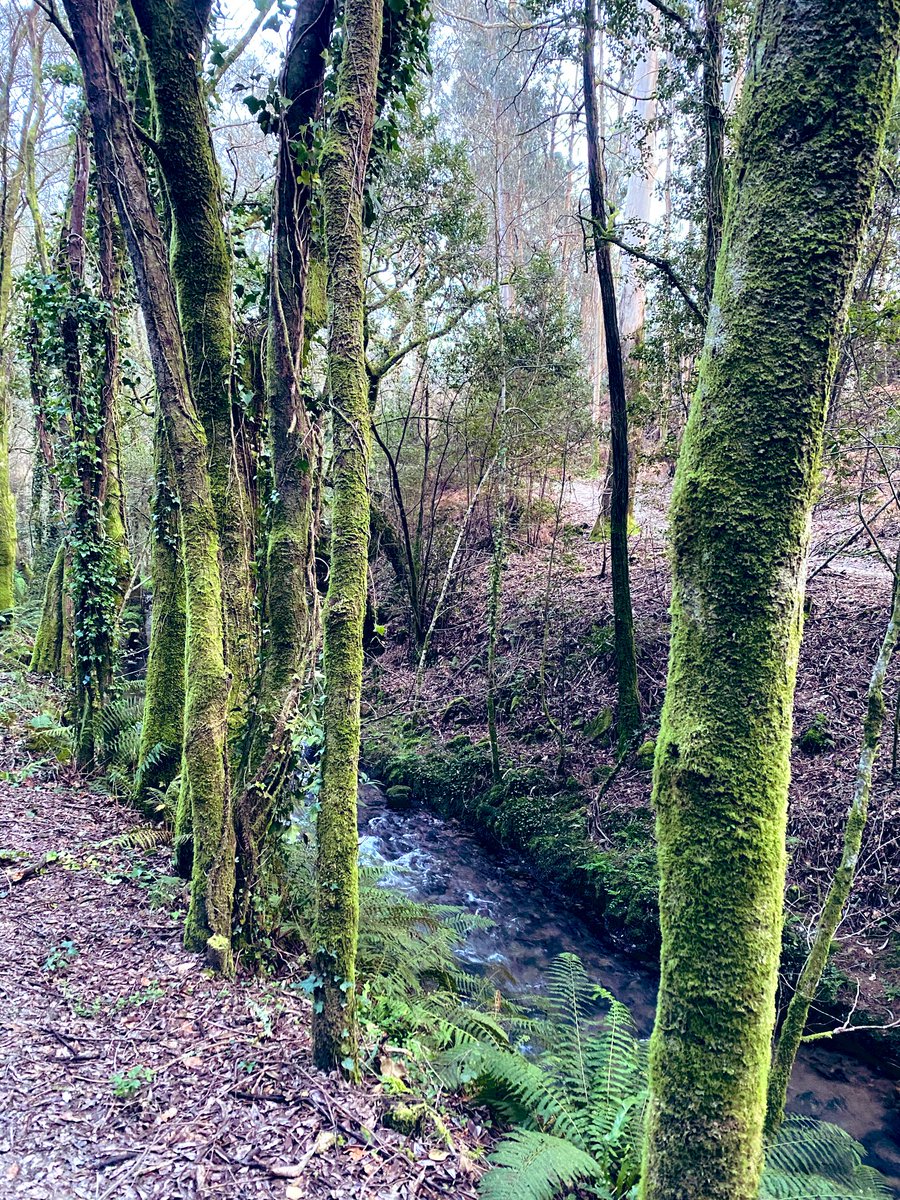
{"points": [[576, 1102]]}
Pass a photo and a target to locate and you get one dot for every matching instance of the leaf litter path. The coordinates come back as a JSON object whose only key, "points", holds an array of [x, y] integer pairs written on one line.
{"points": [[217, 1094]]}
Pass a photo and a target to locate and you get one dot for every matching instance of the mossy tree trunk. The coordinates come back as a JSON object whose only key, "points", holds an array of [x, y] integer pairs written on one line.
{"points": [[162, 727], [206, 699], [90, 349], [52, 642], [337, 894], [629, 704], [174, 33], [791, 1033], [290, 598], [814, 112]]}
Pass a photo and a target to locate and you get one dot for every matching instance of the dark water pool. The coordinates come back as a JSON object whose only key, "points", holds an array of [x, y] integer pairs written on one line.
{"points": [[436, 860]]}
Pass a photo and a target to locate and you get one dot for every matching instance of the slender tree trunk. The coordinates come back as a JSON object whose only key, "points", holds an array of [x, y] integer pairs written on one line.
{"points": [[714, 135], [201, 268], [629, 704], [337, 895], [815, 108], [162, 727], [206, 699], [290, 596], [838, 894], [12, 176]]}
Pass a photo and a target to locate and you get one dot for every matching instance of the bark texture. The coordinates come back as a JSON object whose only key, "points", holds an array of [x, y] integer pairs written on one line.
{"points": [[343, 177], [162, 726], [290, 597], [201, 267], [206, 700], [815, 107]]}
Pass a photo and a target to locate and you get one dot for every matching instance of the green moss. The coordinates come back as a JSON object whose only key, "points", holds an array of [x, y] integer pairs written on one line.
{"points": [[817, 736], [814, 112], [600, 726], [643, 756], [162, 727], [408, 1119], [49, 654], [337, 893], [201, 267]]}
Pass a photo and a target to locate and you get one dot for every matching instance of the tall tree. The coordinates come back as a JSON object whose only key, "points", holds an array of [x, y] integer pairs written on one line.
{"points": [[207, 681], [790, 1035], [343, 172], [629, 704], [12, 178], [290, 598], [815, 108], [174, 33]]}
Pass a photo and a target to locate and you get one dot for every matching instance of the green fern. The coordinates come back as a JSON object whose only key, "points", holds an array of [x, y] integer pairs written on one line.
{"points": [[538, 1166], [577, 1100], [146, 837]]}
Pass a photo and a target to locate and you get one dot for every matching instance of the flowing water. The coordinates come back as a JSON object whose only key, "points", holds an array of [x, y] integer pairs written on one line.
{"points": [[437, 861]]}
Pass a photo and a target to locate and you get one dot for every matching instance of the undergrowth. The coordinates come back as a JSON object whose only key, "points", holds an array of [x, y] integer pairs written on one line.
{"points": [[573, 1098]]}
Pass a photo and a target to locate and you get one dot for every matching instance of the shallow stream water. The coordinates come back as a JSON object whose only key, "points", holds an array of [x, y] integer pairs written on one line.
{"points": [[437, 861]]}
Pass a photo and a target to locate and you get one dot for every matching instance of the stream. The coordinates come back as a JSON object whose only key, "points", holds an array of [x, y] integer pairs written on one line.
{"points": [[438, 861]]}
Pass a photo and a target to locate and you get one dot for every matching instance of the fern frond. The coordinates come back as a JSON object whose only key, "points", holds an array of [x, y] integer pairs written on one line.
{"points": [[146, 837], [523, 1093], [814, 1160], [537, 1166]]}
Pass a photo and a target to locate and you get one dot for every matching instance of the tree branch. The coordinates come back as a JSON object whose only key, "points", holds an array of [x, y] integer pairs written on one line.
{"points": [[378, 371], [661, 264], [678, 19], [241, 44]]}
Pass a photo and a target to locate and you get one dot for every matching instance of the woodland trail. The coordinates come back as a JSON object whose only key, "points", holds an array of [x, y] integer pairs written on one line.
{"points": [[128, 1071]]}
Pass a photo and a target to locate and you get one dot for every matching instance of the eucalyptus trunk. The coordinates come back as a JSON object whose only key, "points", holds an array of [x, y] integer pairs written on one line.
{"points": [[343, 173], [815, 107]]}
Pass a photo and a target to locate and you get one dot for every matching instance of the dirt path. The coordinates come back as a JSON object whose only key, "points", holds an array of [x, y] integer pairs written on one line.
{"points": [[126, 1070]]}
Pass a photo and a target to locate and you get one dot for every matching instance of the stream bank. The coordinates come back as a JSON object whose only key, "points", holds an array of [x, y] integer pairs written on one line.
{"points": [[437, 859]]}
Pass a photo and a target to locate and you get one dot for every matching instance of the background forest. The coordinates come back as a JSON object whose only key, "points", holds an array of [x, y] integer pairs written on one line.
{"points": [[449, 539]]}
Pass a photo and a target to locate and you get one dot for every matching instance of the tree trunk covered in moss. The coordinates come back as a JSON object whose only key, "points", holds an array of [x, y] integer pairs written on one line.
{"points": [[814, 112], [206, 700], [90, 371], [629, 704], [337, 893], [791, 1034], [52, 642], [162, 726], [290, 597], [174, 32]]}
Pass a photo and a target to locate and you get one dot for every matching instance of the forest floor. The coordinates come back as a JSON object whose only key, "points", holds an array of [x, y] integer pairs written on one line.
{"points": [[128, 1071], [565, 616]]}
